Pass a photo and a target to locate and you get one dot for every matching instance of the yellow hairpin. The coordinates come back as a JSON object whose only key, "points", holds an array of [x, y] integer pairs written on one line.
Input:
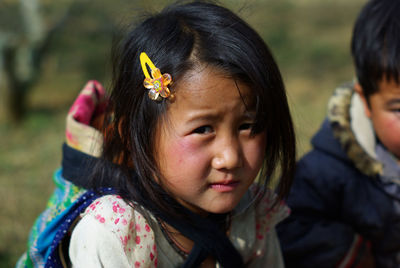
{"points": [[157, 83]]}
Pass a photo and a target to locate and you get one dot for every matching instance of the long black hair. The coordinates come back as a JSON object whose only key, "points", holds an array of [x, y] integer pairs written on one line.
{"points": [[176, 39], [375, 44]]}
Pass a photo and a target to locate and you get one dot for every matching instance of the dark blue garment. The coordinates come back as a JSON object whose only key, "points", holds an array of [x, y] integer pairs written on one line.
{"points": [[55, 258], [332, 203]]}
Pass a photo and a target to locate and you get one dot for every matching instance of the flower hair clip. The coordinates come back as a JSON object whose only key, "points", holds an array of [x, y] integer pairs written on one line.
{"points": [[157, 83]]}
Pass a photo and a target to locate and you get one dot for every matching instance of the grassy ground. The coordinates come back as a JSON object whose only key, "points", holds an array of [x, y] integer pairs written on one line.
{"points": [[309, 38]]}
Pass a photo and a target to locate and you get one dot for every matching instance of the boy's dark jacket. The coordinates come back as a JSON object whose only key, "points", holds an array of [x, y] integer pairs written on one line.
{"points": [[343, 205]]}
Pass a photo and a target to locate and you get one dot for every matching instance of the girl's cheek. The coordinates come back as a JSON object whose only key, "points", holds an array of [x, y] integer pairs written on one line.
{"points": [[255, 151], [259, 142], [185, 150]]}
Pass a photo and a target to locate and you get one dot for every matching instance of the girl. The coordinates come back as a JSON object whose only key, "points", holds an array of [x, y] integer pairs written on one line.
{"points": [[197, 110]]}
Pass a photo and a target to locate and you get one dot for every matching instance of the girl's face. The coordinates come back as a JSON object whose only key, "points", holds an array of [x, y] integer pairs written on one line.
{"points": [[204, 149]]}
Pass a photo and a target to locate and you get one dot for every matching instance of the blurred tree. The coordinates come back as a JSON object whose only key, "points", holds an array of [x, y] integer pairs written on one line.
{"points": [[24, 43]]}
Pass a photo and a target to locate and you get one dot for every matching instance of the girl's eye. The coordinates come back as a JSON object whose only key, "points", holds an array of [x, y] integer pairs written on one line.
{"points": [[246, 126], [203, 130]]}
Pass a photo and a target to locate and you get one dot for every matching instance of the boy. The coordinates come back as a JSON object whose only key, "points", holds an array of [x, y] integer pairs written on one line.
{"points": [[345, 199]]}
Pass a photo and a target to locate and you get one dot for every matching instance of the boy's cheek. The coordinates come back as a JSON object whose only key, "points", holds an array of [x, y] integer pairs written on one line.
{"points": [[389, 124], [388, 132]]}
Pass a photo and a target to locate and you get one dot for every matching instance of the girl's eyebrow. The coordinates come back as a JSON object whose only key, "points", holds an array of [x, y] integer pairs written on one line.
{"points": [[201, 116], [208, 116], [250, 113]]}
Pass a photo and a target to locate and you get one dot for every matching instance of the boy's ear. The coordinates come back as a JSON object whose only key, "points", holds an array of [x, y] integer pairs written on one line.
{"points": [[359, 90]]}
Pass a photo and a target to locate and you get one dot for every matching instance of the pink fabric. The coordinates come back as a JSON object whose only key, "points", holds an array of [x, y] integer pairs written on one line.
{"points": [[90, 102]]}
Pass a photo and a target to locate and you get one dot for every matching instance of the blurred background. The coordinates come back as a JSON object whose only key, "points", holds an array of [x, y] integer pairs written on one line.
{"points": [[49, 49]]}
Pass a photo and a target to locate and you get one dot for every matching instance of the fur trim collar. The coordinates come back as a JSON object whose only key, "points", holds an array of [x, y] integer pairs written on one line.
{"points": [[358, 144]]}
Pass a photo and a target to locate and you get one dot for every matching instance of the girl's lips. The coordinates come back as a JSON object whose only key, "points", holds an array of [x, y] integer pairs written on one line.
{"points": [[224, 187]]}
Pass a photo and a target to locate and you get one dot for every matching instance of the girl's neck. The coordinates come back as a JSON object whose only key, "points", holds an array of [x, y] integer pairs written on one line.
{"points": [[184, 245]]}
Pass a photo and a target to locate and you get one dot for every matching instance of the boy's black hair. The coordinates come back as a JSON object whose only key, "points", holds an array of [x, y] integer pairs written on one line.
{"points": [[177, 39], [375, 44]]}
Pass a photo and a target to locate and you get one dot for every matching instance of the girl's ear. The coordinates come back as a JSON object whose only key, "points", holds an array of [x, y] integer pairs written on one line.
{"points": [[367, 109], [123, 157], [120, 124]]}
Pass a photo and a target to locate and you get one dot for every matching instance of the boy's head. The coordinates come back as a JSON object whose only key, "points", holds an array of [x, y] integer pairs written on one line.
{"points": [[376, 52], [375, 44]]}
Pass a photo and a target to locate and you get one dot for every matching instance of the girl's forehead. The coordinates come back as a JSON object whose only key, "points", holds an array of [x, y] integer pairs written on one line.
{"points": [[211, 84], [210, 92]]}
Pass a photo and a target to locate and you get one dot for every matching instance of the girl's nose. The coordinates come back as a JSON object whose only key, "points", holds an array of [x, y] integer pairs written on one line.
{"points": [[228, 155]]}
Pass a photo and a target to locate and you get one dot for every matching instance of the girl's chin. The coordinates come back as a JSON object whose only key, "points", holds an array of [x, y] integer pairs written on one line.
{"points": [[214, 209], [216, 206]]}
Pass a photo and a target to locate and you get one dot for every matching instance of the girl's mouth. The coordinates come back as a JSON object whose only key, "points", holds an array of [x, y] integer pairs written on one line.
{"points": [[224, 186]]}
